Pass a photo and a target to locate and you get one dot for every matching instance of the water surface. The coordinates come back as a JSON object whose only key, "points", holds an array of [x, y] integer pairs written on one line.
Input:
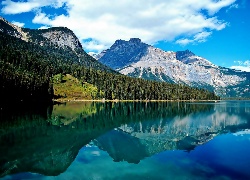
{"points": [[126, 141]]}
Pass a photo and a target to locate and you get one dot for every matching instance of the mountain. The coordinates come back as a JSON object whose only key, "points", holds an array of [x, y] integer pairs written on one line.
{"points": [[123, 53], [29, 58], [59, 41], [33, 64], [58, 36], [137, 59]]}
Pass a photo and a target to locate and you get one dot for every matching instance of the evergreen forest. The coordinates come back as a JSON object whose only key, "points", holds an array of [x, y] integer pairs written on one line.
{"points": [[27, 72]]}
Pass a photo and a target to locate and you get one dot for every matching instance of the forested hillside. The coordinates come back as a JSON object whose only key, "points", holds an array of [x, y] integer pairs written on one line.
{"points": [[27, 71]]}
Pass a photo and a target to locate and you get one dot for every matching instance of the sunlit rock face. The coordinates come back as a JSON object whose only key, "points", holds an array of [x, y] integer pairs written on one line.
{"points": [[61, 37], [137, 59], [12, 30], [57, 41]]}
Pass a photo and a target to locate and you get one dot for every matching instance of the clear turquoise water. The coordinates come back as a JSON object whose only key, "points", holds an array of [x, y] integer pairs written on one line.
{"points": [[127, 141]]}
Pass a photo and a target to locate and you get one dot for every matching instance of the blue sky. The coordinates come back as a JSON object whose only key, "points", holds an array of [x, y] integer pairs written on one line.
{"points": [[217, 30]]}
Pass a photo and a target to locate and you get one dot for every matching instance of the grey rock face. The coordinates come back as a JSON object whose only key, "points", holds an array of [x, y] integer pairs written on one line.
{"points": [[123, 53], [61, 37], [137, 59]]}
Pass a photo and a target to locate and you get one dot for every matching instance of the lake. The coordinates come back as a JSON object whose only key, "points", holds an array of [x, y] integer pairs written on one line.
{"points": [[126, 140]]}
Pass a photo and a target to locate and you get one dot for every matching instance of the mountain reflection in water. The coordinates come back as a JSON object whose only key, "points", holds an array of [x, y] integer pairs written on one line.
{"points": [[181, 131], [46, 140]]}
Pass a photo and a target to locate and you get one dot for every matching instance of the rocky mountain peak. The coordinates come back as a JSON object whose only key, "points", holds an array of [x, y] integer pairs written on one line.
{"points": [[137, 59], [118, 42], [132, 41], [57, 41], [61, 37], [135, 40], [185, 56], [123, 53], [12, 30]]}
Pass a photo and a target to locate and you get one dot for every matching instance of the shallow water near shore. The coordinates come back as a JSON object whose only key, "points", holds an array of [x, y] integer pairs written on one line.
{"points": [[126, 140]]}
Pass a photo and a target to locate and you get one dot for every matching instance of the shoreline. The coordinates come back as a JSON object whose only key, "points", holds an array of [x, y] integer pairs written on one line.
{"points": [[117, 100]]}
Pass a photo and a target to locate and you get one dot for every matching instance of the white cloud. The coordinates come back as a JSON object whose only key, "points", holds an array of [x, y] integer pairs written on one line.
{"points": [[215, 6], [41, 18], [242, 65], [234, 6], [184, 41], [11, 7], [242, 68], [94, 46], [199, 37], [108, 20], [44, 27], [19, 24]]}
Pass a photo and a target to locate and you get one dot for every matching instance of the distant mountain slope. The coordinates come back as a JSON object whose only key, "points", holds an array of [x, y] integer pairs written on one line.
{"points": [[138, 59]]}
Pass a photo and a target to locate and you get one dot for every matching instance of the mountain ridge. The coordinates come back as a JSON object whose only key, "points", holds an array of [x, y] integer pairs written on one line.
{"points": [[28, 67], [181, 67], [118, 60], [53, 34], [56, 40]]}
